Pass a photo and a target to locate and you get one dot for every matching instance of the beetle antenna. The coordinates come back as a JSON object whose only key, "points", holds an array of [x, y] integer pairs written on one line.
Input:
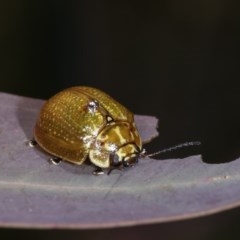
{"points": [[182, 145]]}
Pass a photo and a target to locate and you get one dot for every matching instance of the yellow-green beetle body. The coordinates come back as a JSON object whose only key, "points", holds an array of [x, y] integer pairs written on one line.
{"points": [[84, 122]]}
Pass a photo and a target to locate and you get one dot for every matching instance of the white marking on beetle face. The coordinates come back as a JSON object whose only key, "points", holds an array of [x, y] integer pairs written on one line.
{"points": [[127, 151], [118, 132]]}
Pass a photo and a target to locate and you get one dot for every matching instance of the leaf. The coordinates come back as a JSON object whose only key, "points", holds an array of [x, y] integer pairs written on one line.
{"points": [[35, 194]]}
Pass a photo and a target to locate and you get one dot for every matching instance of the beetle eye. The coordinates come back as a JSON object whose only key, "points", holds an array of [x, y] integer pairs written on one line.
{"points": [[115, 161], [126, 164]]}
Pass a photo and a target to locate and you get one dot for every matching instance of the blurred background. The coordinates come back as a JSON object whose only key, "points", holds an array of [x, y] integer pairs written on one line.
{"points": [[177, 60]]}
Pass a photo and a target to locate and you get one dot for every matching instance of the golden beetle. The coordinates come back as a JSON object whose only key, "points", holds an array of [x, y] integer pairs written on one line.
{"points": [[83, 122]]}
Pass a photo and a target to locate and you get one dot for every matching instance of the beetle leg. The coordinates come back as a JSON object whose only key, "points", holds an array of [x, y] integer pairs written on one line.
{"points": [[98, 171], [31, 143], [112, 168], [54, 160]]}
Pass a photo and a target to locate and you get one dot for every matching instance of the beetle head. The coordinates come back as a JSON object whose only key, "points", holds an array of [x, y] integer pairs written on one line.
{"points": [[125, 157]]}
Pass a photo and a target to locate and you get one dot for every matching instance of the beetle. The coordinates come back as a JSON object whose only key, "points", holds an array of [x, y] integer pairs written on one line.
{"points": [[81, 123], [84, 122]]}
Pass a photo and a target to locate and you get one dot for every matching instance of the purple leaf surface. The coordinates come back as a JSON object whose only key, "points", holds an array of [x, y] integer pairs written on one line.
{"points": [[35, 194]]}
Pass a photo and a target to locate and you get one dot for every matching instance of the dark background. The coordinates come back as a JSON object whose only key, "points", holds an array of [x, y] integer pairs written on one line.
{"points": [[177, 60]]}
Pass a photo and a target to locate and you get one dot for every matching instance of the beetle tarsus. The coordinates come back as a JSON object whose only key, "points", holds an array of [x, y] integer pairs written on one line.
{"points": [[98, 171], [54, 160], [31, 143]]}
